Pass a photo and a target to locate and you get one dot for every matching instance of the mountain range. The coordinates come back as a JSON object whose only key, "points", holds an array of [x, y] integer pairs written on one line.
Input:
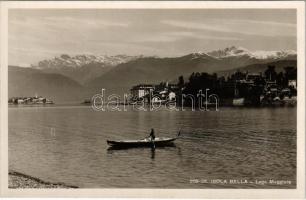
{"points": [[82, 68], [66, 77], [240, 51]]}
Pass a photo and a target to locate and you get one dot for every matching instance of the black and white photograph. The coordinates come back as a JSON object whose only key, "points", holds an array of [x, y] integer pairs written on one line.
{"points": [[163, 97]]}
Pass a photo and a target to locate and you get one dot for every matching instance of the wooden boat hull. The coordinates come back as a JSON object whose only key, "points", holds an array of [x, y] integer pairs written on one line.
{"points": [[158, 142]]}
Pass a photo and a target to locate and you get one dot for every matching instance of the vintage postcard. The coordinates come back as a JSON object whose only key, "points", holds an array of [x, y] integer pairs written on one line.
{"points": [[169, 99]]}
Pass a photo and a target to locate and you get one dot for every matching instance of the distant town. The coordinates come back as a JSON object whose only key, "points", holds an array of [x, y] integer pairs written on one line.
{"points": [[29, 100], [267, 88]]}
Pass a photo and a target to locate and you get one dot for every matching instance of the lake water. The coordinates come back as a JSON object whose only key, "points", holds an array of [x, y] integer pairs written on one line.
{"points": [[68, 144]]}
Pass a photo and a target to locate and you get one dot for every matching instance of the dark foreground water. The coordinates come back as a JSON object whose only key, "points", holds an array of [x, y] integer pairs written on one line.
{"points": [[232, 148]]}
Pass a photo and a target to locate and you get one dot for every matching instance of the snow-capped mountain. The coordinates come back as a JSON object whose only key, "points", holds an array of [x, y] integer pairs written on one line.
{"points": [[85, 68], [78, 61], [274, 54], [240, 51], [200, 55], [82, 67]]}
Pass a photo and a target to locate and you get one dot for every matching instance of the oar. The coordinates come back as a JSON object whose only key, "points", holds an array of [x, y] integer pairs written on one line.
{"points": [[179, 133]]}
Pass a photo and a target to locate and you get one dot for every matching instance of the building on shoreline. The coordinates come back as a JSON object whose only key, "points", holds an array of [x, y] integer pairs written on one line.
{"points": [[268, 89], [149, 93], [141, 90], [241, 88], [30, 100]]}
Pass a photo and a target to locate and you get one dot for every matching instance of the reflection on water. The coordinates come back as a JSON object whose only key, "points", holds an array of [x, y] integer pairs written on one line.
{"points": [[112, 150], [152, 154], [68, 144]]}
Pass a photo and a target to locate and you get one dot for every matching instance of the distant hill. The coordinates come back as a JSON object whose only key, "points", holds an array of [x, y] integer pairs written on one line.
{"points": [[28, 82], [150, 70], [257, 68], [82, 74]]}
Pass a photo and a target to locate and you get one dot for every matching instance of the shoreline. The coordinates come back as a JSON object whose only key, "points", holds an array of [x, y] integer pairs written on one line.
{"points": [[17, 180]]}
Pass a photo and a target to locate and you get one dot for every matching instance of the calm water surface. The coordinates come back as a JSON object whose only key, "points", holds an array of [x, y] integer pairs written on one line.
{"points": [[68, 144]]}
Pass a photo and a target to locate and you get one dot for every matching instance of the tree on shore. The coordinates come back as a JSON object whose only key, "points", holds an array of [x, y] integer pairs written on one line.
{"points": [[270, 73], [181, 82]]}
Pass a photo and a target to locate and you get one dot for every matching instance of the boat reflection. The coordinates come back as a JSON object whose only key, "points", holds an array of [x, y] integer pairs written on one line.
{"points": [[113, 150], [152, 153]]}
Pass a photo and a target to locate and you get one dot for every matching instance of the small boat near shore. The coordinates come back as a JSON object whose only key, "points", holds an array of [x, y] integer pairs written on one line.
{"points": [[146, 142]]}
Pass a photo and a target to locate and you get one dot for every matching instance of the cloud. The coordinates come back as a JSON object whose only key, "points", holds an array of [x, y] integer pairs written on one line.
{"points": [[195, 25], [61, 24], [175, 36], [33, 51], [85, 22], [271, 23], [237, 26], [200, 35]]}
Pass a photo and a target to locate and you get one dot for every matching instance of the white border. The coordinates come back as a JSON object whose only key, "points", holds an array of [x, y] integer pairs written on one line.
{"points": [[157, 193]]}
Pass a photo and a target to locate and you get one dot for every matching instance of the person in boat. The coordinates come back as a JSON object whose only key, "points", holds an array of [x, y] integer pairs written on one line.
{"points": [[152, 135]]}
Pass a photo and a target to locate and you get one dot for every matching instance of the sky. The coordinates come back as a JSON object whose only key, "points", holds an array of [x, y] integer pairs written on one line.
{"points": [[35, 35]]}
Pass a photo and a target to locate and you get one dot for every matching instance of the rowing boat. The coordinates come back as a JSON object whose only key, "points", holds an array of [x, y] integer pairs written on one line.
{"points": [[146, 142]]}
